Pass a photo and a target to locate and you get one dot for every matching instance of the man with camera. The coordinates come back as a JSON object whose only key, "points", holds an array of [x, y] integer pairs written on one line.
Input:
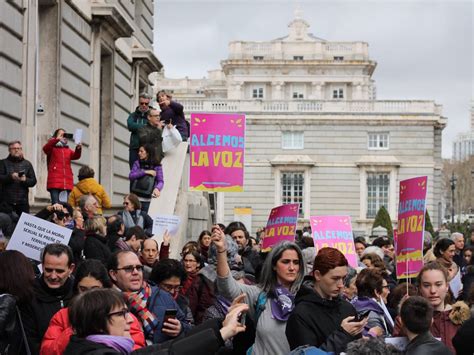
{"points": [[16, 177]]}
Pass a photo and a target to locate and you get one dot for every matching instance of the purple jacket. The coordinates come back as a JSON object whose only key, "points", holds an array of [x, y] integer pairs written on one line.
{"points": [[137, 173], [174, 114]]}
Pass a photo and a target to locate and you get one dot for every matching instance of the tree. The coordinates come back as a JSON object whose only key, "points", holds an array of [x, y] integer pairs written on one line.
{"points": [[428, 225], [383, 219]]}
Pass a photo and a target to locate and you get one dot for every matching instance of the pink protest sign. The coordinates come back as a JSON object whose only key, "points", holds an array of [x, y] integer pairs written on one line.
{"points": [[411, 226], [281, 225], [334, 232], [217, 152]]}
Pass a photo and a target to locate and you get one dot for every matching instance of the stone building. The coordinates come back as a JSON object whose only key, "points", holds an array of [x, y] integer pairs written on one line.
{"points": [[316, 134], [74, 64]]}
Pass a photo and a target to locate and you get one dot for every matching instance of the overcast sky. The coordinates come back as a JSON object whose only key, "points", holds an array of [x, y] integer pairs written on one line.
{"points": [[423, 49]]}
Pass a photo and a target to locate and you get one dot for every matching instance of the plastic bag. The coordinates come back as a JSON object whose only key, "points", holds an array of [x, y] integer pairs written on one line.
{"points": [[171, 138]]}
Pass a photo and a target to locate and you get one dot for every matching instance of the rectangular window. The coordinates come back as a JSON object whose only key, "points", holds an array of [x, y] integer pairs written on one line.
{"points": [[298, 95], [292, 188], [378, 140], [338, 58], [257, 93], [297, 57], [292, 140], [338, 94], [258, 57], [377, 192]]}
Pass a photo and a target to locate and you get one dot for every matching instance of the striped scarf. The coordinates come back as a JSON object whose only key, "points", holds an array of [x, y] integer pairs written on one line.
{"points": [[137, 302]]}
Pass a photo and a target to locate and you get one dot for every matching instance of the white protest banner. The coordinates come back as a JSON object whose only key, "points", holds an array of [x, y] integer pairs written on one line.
{"points": [[32, 234], [78, 136], [163, 222]]}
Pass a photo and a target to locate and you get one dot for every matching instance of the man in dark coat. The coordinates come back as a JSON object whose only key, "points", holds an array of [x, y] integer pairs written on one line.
{"points": [[53, 291], [16, 177], [416, 315], [135, 120], [151, 133]]}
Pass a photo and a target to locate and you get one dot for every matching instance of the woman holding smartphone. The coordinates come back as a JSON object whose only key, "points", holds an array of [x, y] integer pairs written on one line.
{"points": [[59, 155], [321, 317]]}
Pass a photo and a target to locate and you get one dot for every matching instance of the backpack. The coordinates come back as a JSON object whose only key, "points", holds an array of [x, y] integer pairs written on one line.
{"points": [[259, 308]]}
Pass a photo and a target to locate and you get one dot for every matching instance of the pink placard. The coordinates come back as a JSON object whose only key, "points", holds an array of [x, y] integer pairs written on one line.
{"points": [[217, 152], [334, 232], [411, 226], [281, 225]]}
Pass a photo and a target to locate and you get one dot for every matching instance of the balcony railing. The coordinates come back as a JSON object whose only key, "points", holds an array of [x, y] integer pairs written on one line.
{"points": [[286, 50], [312, 106]]}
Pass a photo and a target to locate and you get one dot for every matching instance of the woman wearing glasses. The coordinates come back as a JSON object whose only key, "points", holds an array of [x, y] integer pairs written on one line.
{"points": [[169, 275], [101, 323], [91, 274]]}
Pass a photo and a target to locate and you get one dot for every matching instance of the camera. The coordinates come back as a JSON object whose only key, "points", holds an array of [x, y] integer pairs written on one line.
{"points": [[68, 135], [21, 173], [60, 215]]}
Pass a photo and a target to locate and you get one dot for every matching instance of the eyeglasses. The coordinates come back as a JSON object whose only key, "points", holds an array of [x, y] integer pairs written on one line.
{"points": [[126, 203], [130, 268], [143, 103], [171, 288], [385, 286], [122, 313]]}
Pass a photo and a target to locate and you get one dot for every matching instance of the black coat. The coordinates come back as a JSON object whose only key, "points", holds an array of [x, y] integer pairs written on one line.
{"points": [[463, 341], [204, 339], [16, 192], [317, 321], [425, 344], [45, 304], [95, 247], [11, 336], [251, 260], [81, 346]]}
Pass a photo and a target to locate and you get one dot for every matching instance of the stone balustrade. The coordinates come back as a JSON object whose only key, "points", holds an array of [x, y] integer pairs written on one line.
{"points": [[310, 51], [312, 106]]}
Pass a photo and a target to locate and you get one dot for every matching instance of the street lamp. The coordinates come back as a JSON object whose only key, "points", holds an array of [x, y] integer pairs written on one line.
{"points": [[453, 187]]}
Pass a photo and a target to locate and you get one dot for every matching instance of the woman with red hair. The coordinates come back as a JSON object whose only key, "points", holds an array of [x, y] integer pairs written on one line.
{"points": [[321, 317]]}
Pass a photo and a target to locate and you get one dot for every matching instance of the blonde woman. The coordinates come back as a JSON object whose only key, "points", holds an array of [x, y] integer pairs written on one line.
{"points": [[96, 246]]}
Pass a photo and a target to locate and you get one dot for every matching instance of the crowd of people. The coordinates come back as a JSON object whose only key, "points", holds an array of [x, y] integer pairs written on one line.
{"points": [[115, 290]]}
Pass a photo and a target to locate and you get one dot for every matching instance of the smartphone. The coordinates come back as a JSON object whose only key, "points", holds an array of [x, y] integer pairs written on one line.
{"points": [[170, 313], [21, 173], [68, 135], [360, 316]]}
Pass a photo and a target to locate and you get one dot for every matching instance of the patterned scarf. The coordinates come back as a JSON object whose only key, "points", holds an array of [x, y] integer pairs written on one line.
{"points": [[137, 302]]}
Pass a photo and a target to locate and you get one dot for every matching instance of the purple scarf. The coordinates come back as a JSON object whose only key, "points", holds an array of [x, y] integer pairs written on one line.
{"points": [[282, 304], [121, 344]]}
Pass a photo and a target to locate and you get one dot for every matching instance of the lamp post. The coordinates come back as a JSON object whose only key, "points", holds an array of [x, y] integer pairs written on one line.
{"points": [[453, 187]]}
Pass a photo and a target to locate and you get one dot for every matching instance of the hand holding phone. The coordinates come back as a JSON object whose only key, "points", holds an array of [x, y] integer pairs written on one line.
{"points": [[360, 316], [170, 313]]}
